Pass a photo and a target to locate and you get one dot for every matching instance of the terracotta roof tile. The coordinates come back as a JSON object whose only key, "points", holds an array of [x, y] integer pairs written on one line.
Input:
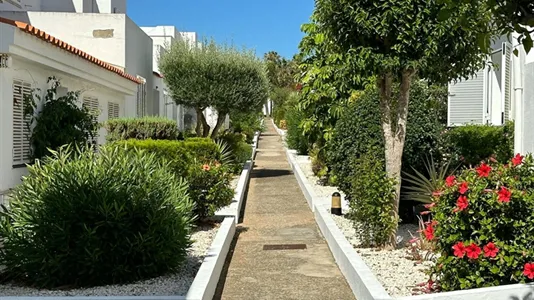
{"points": [[65, 46]]}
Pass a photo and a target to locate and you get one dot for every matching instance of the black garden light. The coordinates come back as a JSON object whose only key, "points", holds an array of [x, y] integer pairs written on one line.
{"points": [[336, 204]]}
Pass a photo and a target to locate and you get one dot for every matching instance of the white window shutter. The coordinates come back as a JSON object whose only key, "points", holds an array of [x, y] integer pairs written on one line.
{"points": [[506, 75], [466, 101], [113, 110], [93, 106], [21, 132]]}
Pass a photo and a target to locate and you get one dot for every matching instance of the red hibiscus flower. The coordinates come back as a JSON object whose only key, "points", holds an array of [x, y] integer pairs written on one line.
{"points": [[504, 195], [517, 160], [490, 250], [473, 251], [529, 270], [459, 249], [429, 232], [450, 180], [206, 167], [483, 170], [462, 203], [463, 188]]}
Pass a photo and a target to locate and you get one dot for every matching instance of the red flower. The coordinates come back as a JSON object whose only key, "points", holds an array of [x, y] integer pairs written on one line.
{"points": [[463, 188], [437, 194], [517, 160], [298, 87], [462, 203], [529, 270], [490, 250], [206, 167], [429, 206], [483, 170], [459, 249], [473, 251], [504, 195], [429, 230], [450, 180]]}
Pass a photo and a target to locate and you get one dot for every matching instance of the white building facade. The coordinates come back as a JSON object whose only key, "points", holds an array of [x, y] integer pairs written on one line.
{"points": [[28, 57]]}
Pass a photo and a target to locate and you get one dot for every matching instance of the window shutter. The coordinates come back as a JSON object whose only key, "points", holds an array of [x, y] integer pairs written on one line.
{"points": [[113, 110], [506, 70], [92, 105], [21, 132], [141, 97], [466, 101]]}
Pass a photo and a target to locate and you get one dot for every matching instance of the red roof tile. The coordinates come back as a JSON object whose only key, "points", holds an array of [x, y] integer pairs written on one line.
{"points": [[65, 46]]}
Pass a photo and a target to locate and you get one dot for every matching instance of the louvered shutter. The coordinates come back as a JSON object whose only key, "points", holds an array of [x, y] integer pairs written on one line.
{"points": [[506, 73], [113, 110], [466, 101], [92, 105], [21, 132]]}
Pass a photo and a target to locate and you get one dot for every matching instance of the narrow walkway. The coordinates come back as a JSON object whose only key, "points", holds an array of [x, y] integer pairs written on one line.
{"points": [[277, 213]]}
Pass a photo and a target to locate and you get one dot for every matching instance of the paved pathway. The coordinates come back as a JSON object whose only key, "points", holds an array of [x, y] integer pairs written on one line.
{"points": [[277, 213]]}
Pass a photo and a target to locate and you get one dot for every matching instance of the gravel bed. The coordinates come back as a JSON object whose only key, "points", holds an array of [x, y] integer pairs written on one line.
{"points": [[174, 284], [395, 269]]}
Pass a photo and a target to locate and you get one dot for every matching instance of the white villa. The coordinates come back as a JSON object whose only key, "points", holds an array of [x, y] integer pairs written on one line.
{"points": [[500, 92]]}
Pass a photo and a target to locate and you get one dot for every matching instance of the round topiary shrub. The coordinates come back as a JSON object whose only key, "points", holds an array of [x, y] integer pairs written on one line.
{"points": [[483, 223], [82, 219]]}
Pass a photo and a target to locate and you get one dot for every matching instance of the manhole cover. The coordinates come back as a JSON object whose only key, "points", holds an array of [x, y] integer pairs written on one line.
{"points": [[284, 247]]}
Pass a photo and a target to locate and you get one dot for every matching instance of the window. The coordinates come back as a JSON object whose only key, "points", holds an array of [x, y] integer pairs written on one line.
{"points": [[21, 131], [141, 97], [113, 110], [92, 105]]}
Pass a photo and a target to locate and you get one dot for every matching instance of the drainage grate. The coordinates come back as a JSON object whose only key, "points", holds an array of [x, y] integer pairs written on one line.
{"points": [[284, 247]]}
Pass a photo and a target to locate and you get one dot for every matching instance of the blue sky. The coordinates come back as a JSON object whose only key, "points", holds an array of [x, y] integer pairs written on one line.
{"points": [[262, 25]]}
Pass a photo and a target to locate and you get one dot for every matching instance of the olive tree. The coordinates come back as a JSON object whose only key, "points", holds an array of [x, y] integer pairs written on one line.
{"points": [[214, 75], [392, 42]]}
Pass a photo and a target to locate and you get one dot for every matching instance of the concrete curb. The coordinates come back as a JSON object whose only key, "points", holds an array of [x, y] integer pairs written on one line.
{"points": [[234, 209], [359, 276], [207, 278], [281, 132], [204, 284], [255, 141]]}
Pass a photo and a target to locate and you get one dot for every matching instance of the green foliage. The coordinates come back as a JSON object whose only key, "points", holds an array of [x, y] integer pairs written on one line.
{"points": [[215, 75], [241, 150], [60, 122], [498, 209], [280, 71], [209, 190], [246, 123], [421, 185], [155, 128], [371, 200], [359, 129], [209, 187], [472, 144], [295, 137], [84, 219]]}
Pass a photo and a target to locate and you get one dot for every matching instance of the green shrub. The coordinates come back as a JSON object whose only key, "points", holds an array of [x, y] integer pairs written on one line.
{"points": [[85, 219], [472, 144], [209, 187], [61, 121], [482, 226], [246, 123], [359, 129], [241, 150], [155, 128], [295, 137], [209, 190], [371, 200], [175, 153]]}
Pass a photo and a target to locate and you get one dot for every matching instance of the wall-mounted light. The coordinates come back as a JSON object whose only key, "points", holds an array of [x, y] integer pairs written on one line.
{"points": [[6, 61]]}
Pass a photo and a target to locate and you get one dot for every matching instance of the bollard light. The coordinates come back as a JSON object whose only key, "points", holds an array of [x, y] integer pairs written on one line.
{"points": [[336, 204]]}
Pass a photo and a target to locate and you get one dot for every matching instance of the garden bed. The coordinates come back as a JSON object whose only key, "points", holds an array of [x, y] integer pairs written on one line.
{"points": [[389, 266], [177, 283]]}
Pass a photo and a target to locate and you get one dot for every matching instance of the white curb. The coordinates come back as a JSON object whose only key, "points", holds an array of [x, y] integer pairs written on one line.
{"points": [[234, 209]]}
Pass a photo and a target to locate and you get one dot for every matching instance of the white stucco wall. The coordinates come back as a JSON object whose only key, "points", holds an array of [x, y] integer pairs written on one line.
{"points": [[15, 5], [78, 6], [38, 76]]}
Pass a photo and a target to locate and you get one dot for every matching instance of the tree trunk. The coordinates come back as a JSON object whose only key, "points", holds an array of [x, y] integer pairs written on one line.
{"points": [[205, 127], [221, 117], [394, 129], [198, 129]]}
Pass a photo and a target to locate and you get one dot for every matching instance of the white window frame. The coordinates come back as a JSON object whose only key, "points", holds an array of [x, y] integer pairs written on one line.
{"points": [[21, 150], [93, 105], [141, 97]]}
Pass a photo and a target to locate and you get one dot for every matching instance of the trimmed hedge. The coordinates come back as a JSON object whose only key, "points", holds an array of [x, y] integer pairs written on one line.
{"points": [[85, 219], [155, 128]]}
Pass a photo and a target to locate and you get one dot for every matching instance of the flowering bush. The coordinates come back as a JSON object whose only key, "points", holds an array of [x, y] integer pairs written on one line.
{"points": [[483, 224]]}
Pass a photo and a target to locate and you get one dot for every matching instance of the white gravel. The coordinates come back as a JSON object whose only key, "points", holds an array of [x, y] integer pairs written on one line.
{"points": [[174, 284], [395, 269]]}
